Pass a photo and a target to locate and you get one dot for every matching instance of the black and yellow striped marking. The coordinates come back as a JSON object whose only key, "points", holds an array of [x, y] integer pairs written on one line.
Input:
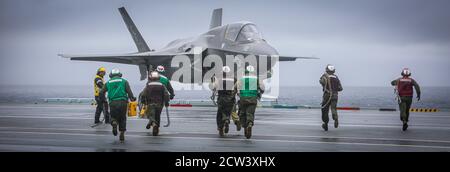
{"points": [[424, 110]]}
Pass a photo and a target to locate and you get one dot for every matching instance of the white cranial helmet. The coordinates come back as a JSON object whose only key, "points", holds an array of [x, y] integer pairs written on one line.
{"points": [[250, 68], [226, 69], [153, 75], [406, 72], [115, 71], [160, 68], [330, 68]]}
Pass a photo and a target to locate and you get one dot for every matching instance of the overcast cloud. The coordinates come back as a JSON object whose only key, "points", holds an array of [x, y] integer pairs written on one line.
{"points": [[369, 42]]}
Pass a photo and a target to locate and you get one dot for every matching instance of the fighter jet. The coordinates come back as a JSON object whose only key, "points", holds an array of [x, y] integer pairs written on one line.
{"points": [[239, 38]]}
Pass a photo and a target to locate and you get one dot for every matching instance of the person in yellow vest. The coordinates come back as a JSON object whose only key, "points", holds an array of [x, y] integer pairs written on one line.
{"points": [[249, 89], [102, 104]]}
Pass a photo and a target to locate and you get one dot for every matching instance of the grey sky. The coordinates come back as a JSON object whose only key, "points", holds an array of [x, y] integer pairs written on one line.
{"points": [[369, 42]]}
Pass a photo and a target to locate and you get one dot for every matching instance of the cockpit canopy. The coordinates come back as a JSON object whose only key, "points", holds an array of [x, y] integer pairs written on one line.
{"points": [[242, 32]]}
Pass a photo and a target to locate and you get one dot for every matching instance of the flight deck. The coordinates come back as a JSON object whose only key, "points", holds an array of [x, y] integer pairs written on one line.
{"points": [[66, 127]]}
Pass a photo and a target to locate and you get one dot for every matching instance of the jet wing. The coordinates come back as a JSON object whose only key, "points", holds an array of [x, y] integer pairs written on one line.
{"points": [[140, 59], [132, 58], [281, 58], [113, 58]]}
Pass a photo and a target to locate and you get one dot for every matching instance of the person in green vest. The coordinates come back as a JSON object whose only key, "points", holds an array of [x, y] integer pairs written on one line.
{"points": [[165, 81], [119, 92], [249, 89]]}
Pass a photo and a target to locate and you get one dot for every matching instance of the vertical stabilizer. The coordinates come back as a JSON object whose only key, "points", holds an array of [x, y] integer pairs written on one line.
{"points": [[216, 18], [137, 37]]}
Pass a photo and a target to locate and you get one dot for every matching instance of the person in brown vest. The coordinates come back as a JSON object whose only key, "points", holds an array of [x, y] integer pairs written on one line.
{"points": [[157, 96], [331, 85], [405, 93]]}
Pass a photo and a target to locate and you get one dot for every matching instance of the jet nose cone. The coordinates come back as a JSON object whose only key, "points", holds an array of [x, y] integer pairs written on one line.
{"points": [[263, 48]]}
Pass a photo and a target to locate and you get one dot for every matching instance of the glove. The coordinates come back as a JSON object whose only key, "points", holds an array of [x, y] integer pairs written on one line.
{"points": [[171, 96], [418, 98], [167, 104]]}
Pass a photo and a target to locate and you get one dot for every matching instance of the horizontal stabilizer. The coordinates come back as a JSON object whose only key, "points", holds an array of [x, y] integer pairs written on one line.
{"points": [[113, 58], [291, 58]]}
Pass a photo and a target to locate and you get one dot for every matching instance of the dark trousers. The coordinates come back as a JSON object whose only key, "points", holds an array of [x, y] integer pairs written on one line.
{"points": [[225, 106], [327, 105], [119, 113], [247, 110], [154, 113], [404, 106], [102, 106]]}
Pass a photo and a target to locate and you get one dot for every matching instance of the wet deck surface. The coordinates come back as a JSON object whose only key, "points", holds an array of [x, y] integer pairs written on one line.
{"points": [[53, 127]]}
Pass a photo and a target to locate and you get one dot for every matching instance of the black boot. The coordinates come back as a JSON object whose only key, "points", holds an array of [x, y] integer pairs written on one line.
{"points": [[248, 133], [405, 126], [238, 125], [122, 136], [114, 128], [325, 126], [221, 134], [107, 118], [248, 129], [226, 127], [155, 130], [149, 125]]}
